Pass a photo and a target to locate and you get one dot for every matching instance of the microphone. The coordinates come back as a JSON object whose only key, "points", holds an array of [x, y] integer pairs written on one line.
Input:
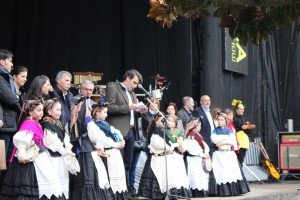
{"points": [[143, 89]]}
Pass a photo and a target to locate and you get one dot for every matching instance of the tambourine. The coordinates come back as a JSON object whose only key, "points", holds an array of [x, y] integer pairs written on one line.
{"points": [[207, 164], [250, 126]]}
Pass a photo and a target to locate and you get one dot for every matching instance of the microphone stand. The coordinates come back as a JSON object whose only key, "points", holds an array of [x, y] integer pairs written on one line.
{"points": [[165, 152]]}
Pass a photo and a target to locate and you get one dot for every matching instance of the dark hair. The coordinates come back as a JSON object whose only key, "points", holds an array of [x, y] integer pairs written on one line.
{"points": [[222, 114], [18, 69], [215, 112], [131, 74], [152, 123], [174, 105], [194, 119], [228, 110], [4, 54], [28, 106], [98, 108], [35, 88], [49, 104]]}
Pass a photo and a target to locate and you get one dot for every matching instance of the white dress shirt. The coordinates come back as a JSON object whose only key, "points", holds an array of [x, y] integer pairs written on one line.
{"points": [[209, 117], [129, 103]]}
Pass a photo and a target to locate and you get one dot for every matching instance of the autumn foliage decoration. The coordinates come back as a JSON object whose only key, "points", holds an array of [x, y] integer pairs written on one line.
{"points": [[249, 20]]}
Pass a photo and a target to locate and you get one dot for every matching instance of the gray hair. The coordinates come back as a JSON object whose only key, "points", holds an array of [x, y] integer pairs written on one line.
{"points": [[186, 99], [60, 75], [86, 83]]}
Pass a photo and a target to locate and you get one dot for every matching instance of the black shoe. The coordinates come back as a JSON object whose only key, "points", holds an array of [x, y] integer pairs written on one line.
{"points": [[132, 192]]}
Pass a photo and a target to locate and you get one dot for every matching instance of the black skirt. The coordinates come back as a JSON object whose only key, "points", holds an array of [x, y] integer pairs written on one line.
{"points": [[199, 193], [212, 184], [53, 198], [85, 184], [149, 186], [20, 182], [121, 196], [234, 188]]}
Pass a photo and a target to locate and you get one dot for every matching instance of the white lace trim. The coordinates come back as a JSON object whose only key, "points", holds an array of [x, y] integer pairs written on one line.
{"points": [[102, 174], [116, 171]]}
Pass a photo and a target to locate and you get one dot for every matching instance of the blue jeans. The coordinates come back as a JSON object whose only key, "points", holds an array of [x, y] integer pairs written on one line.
{"points": [[135, 159]]}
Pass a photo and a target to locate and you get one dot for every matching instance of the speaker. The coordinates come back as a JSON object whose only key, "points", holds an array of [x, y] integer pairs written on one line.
{"points": [[290, 156], [293, 138]]}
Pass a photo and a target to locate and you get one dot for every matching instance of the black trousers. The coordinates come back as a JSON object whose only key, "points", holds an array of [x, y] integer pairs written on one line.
{"points": [[241, 155], [127, 152]]}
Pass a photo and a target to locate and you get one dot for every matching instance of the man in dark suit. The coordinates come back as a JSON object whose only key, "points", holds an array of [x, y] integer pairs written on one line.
{"points": [[122, 105], [207, 124], [61, 91], [9, 103], [185, 113]]}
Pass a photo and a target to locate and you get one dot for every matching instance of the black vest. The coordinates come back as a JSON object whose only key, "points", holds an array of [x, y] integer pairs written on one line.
{"points": [[56, 129]]}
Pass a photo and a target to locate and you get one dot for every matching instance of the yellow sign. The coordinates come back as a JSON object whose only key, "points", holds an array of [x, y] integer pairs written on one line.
{"points": [[237, 52]]}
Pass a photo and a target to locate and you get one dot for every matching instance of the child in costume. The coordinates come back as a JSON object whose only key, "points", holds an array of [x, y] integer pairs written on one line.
{"points": [[197, 153], [227, 172], [58, 145], [21, 179], [112, 141]]}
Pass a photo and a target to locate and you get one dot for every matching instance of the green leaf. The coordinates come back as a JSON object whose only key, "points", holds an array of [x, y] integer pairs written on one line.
{"points": [[214, 3]]}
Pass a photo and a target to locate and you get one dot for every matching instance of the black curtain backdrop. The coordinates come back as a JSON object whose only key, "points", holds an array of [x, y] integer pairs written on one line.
{"points": [[113, 36], [100, 36], [271, 90]]}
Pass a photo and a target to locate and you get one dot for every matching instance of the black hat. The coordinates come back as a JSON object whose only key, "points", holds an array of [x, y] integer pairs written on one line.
{"points": [[100, 105]]}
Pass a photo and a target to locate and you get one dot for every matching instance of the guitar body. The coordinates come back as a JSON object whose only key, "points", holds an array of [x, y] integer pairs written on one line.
{"points": [[268, 164], [271, 169]]}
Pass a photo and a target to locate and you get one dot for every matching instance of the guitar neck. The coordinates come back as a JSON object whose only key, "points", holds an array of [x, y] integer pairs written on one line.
{"points": [[263, 151]]}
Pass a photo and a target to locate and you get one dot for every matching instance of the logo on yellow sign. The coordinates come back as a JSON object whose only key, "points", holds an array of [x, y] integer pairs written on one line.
{"points": [[237, 52]]}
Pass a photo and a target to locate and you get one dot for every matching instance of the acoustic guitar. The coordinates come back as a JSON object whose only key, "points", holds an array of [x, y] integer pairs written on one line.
{"points": [[268, 164]]}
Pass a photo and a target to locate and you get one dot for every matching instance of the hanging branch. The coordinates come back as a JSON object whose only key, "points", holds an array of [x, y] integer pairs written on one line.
{"points": [[249, 20], [257, 2]]}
